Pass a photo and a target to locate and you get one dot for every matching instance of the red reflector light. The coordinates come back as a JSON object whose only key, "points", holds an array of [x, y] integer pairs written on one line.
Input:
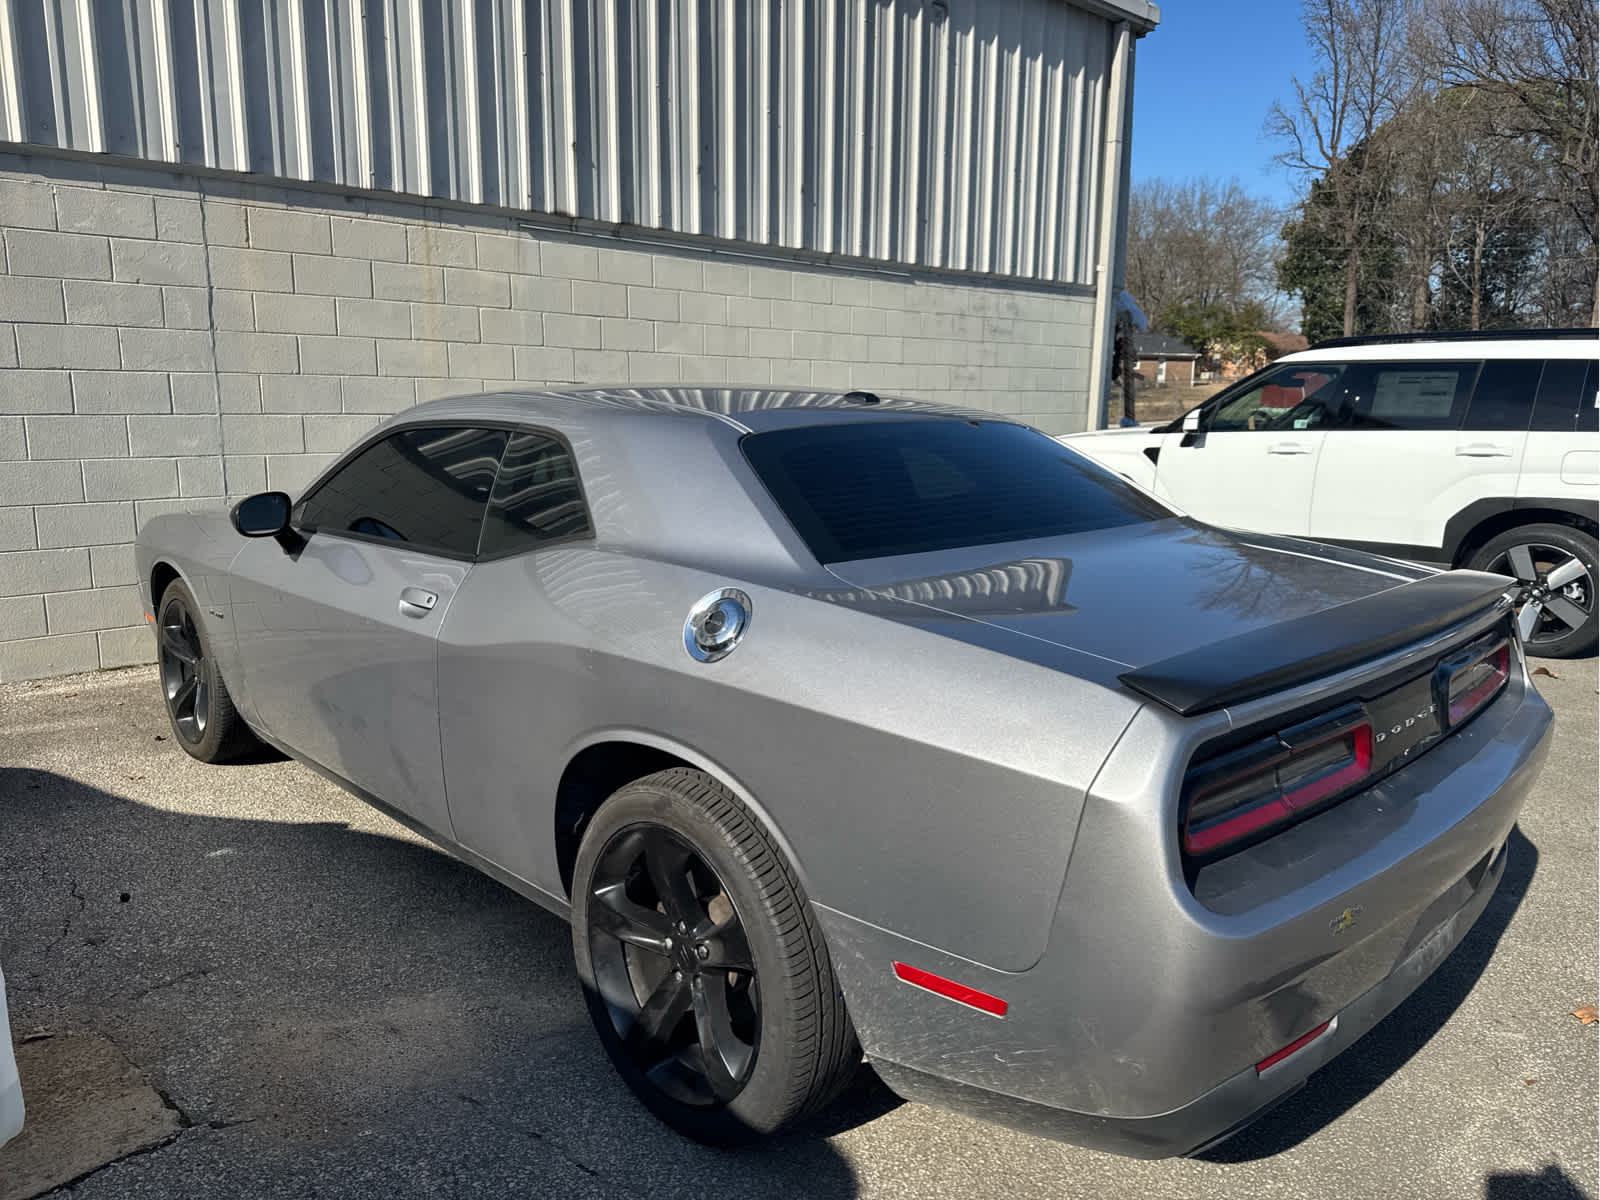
{"points": [[949, 988], [1473, 684], [1300, 1043]]}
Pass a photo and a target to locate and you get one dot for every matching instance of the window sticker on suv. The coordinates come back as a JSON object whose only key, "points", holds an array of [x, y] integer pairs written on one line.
{"points": [[1414, 395]]}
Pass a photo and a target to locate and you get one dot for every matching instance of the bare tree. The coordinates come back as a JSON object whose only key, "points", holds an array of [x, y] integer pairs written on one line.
{"points": [[1536, 60], [1202, 242], [1458, 195], [1492, 196], [1364, 79]]}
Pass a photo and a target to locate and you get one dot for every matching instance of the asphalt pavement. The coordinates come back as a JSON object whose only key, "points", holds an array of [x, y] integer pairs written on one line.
{"points": [[241, 982]]}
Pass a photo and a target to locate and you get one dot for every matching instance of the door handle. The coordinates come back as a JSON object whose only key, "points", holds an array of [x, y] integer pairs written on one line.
{"points": [[1482, 450], [1288, 448], [417, 602]]}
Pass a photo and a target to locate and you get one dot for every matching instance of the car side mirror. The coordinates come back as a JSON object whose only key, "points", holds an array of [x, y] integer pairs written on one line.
{"points": [[265, 514], [1193, 428]]}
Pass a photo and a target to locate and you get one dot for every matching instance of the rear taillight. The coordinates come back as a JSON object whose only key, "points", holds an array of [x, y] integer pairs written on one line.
{"points": [[1465, 682], [1238, 795]]}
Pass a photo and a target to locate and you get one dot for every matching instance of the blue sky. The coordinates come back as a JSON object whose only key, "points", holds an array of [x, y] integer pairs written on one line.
{"points": [[1203, 83]]}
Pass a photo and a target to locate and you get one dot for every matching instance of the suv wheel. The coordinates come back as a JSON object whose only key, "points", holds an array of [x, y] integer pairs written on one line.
{"points": [[1555, 566]]}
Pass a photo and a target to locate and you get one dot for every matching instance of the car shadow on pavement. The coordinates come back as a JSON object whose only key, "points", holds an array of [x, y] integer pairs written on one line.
{"points": [[1350, 1078], [1552, 1183], [336, 1012]]}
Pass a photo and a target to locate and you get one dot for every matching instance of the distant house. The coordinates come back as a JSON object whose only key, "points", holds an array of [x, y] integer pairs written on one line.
{"points": [[1162, 360], [1278, 344]]}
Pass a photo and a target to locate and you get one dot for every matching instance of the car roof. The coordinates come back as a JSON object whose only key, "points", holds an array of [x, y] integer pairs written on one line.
{"points": [[656, 461], [1457, 350], [745, 409]]}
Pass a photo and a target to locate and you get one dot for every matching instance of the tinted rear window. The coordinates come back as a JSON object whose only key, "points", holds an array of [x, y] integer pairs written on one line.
{"points": [[1566, 397], [872, 489], [1504, 396]]}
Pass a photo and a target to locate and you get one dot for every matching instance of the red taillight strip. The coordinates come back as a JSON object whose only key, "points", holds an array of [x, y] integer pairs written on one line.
{"points": [[1200, 841], [1321, 789], [1278, 805], [952, 990], [1300, 1043], [1465, 706]]}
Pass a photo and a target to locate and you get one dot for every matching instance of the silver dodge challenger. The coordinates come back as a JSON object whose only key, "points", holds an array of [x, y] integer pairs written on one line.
{"points": [[843, 725]]}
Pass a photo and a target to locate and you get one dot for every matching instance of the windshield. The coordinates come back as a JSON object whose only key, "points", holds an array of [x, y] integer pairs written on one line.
{"points": [[869, 489]]}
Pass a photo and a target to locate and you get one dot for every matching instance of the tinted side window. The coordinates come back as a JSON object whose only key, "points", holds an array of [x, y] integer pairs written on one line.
{"points": [[1566, 397], [1399, 395], [1301, 396], [425, 487], [1504, 396], [536, 499]]}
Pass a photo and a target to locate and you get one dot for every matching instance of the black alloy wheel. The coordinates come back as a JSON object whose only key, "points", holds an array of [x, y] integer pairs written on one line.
{"points": [[185, 670], [198, 706], [702, 964], [673, 967]]}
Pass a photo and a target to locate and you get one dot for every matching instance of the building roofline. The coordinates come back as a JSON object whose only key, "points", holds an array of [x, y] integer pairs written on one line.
{"points": [[1143, 15]]}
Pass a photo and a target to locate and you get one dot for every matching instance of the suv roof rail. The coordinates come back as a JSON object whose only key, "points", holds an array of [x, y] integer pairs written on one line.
{"points": [[1460, 335]]}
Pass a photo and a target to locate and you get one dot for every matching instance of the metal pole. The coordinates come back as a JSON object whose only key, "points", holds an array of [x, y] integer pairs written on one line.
{"points": [[1112, 178]]}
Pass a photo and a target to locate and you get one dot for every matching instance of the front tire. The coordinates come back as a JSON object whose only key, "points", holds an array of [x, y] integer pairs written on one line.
{"points": [[1555, 565], [199, 708], [702, 965]]}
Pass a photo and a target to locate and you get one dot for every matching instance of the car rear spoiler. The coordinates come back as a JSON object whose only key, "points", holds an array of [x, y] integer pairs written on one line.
{"points": [[1294, 652]]}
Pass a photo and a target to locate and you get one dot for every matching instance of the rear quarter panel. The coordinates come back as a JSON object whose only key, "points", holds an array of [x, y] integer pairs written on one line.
{"points": [[919, 783]]}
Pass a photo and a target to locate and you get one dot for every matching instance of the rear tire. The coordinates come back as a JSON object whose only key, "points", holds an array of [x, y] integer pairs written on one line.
{"points": [[198, 706], [702, 965], [1555, 564]]}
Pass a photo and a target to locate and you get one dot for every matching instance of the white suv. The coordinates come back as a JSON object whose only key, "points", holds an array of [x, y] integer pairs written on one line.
{"points": [[1478, 450]]}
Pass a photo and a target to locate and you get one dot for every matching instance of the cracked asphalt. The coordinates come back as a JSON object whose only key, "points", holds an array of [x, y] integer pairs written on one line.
{"points": [[241, 982]]}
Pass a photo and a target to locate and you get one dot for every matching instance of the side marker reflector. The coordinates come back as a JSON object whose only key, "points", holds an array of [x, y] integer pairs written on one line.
{"points": [[949, 988], [1300, 1043]]}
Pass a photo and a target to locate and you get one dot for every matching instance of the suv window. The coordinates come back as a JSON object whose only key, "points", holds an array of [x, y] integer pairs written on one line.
{"points": [[1504, 396], [1566, 402], [1302, 396], [425, 487], [536, 498], [1413, 396], [870, 489]]}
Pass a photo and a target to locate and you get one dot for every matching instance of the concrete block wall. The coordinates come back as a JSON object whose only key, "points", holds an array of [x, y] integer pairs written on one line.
{"points": [[169, 341]]}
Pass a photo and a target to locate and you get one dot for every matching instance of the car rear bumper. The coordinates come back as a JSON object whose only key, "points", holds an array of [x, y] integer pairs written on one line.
{"points": [[1140, 1029], [1233, 1104]]}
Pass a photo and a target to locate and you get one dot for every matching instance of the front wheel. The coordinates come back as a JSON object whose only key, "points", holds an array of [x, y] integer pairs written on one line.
{"points": [[702, 965], [1554, 566], [198, 706]]}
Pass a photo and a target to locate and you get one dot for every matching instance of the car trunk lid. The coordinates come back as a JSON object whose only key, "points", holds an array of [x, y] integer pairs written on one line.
{"points": [[1134, 595]]}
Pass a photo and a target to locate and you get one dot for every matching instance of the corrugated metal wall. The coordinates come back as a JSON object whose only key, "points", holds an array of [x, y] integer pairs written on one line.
{"points": [[963, 135]]}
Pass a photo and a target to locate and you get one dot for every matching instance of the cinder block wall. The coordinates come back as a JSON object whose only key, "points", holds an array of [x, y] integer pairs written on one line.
{"points": [[168, 341]]}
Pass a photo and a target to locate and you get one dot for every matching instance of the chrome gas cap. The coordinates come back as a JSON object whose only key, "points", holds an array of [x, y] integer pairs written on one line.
{"points": [[716, 624]]}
